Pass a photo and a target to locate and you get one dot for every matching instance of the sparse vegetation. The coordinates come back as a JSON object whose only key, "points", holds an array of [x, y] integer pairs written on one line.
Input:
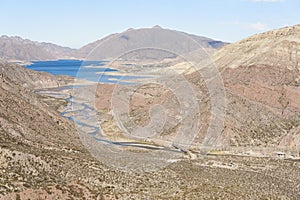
{"points": [[41, 155]]}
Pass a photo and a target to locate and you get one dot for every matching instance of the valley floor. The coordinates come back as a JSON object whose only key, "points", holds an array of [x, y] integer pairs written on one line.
{"points": [[59, 174]]}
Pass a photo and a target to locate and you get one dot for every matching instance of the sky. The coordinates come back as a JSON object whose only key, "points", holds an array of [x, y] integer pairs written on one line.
{"points": [[74, 23]]}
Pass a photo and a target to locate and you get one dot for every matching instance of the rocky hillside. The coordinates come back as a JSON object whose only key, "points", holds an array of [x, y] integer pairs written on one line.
{"points": [[278, 48], [41, 157], [115, 45], [261, 75], [18, 49], [262, 78], [31, 79]]}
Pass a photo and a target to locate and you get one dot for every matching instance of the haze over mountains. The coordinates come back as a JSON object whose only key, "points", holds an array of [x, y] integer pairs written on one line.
{"points": [[16, 48]]}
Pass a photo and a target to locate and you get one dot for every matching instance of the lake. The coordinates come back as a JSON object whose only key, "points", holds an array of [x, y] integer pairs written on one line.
{"points": [[89, 70]]}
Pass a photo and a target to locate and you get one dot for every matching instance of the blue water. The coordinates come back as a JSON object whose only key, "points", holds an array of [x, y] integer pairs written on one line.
{"points": [[79, 69]]}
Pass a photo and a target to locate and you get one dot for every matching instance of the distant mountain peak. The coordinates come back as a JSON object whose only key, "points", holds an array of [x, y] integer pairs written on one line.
{"points": [[158, 37], [157, 27]]}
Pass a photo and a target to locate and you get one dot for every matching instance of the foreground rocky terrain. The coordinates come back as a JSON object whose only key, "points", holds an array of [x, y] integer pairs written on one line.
{"points": [[42, 157]]}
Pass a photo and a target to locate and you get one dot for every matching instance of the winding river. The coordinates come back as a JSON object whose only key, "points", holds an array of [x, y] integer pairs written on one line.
{"points": [[84, 116]]}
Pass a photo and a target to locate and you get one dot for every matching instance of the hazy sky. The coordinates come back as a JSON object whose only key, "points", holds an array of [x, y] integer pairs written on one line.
{"points": [[77, 22]]}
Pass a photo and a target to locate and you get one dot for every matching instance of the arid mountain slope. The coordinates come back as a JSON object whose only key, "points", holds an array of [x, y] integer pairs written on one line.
{"points": [[24, 117], [32, 79], [19, 49], [262, 81], [278, 48], [146, 43], [262, 78], [41, 157]]}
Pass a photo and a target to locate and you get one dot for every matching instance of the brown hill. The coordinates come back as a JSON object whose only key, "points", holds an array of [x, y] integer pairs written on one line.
{"points": [[262, 78], [156, 39], [277, 48], [32, 79], [19, 49]]}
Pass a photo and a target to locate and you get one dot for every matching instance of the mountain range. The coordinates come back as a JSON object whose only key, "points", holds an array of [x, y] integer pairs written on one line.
{"points": [[17, 49]]}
